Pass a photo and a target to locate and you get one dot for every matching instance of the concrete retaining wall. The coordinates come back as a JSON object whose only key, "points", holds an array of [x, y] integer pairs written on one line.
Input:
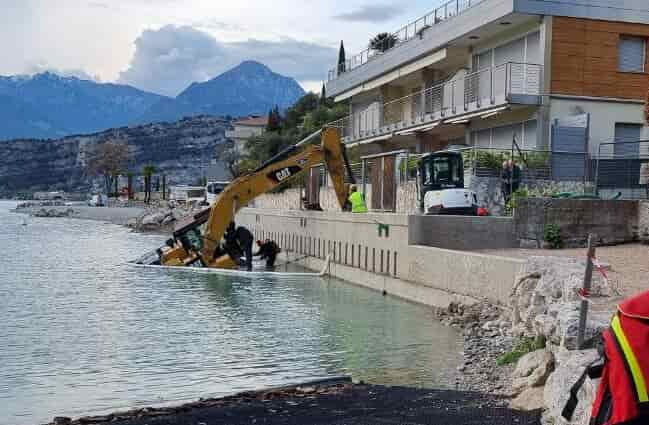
{"points": [[462, 232], [373, 250], [612, 222]]}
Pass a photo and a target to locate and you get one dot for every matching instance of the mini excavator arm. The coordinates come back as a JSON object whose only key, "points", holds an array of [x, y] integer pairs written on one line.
{"points": [[190, 245]]}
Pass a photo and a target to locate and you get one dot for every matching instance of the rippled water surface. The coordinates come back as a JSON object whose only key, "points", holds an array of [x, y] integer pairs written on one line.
{"points": [[83, 333]]}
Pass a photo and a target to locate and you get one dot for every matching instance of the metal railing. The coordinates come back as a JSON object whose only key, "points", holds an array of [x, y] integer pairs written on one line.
{"points": [[622, 169], [408, 32], [475, 91]]}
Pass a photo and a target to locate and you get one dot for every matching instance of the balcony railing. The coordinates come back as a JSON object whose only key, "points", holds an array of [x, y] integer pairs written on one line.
{"points": [[408, 32], [481, 90]]}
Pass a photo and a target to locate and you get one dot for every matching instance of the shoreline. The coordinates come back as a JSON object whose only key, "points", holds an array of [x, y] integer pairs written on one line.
{"points": [[115, 215], [332, 401]]}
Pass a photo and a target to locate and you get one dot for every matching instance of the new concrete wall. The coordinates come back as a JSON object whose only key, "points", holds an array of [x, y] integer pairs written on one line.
{"points": [[462, 232], [612, 222], [374, 250]]}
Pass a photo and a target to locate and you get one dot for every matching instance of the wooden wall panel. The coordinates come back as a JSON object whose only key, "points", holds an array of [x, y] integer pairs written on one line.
{"points": [[585, 59]]}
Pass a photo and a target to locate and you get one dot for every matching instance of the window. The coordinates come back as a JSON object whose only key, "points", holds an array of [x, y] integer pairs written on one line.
{"points": [[632, 54], [625, 133], [531, 137], [501, 137]]}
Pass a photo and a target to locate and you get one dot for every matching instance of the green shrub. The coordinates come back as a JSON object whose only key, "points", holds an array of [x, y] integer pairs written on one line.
{"points": [[536, 159], [516, 198], [523, 346], [553, 236]]}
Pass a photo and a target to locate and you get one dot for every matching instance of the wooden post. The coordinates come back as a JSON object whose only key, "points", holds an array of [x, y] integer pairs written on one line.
{"points": [[588, 277]]}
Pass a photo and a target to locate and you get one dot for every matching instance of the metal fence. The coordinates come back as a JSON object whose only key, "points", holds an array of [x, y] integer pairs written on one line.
{"points": [[407, 32], [622, 170], [535, 164]]}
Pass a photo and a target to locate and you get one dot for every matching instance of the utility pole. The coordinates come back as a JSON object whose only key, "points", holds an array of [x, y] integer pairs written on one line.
{"points": [[588, 278]]}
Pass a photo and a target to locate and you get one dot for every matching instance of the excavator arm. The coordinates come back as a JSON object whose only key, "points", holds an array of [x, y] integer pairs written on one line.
{"points": [[191, 245]]}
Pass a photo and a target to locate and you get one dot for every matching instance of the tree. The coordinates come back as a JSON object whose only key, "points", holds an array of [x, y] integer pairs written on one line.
{"points": [[342, 62], [383, 41], [274, 120], [323, 94], [109, 160], [229, 154], [129, 176], [147, 172]]}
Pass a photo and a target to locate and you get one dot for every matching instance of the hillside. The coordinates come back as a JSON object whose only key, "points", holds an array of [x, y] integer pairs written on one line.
{"points": [[180, 150]]}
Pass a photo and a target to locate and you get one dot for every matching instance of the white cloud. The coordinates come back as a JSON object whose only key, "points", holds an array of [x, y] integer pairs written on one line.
{"points": [[372, 13], [167, 60], [40, 67]]}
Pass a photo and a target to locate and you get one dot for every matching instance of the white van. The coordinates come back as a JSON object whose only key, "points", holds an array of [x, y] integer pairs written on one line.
{"points": [[213, 189]]}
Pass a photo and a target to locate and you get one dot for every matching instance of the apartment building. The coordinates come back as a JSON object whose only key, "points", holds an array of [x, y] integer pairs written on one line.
{"points": [[560, 75], [245, 129]]}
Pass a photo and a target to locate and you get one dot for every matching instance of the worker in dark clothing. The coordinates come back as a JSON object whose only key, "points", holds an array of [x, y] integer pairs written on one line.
{"points": [[243, 238], [511, 179], [268, 251]]}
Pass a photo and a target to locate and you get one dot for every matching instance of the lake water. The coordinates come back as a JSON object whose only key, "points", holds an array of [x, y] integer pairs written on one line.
{"points": [[83, 333]]}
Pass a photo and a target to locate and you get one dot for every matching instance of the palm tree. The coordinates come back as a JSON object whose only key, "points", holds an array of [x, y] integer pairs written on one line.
{"points": [[147, 172], [383, 41]]}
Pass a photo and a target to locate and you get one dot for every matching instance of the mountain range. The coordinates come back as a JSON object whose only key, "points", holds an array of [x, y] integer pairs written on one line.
{"points": [[50, 106]]}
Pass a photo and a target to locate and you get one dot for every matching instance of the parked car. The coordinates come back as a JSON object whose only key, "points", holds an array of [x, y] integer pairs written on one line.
{"points": [[98, 200]]}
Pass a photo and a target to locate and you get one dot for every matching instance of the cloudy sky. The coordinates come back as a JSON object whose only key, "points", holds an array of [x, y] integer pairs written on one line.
{"points": [[163, 45]]}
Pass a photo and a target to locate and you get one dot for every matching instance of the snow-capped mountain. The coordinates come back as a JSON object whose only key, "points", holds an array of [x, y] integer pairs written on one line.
{"points": [[49, 106]]}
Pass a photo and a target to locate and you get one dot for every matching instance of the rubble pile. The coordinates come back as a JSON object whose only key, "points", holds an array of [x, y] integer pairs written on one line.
{"points": [[162, 216]]}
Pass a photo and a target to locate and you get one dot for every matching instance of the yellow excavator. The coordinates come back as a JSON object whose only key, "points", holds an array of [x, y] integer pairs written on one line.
{"points": [[197, 241]]}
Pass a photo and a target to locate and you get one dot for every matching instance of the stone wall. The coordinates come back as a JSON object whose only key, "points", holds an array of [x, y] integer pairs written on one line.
{"points": [[407, 198], [612, 222], [643, 220], [288, 199], [489, 190]]}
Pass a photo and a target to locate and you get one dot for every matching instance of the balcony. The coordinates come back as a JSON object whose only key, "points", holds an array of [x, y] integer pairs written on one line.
{"points": [[453, 102], [408, 32]]}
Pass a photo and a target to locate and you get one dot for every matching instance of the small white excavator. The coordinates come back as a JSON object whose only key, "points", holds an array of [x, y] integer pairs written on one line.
{"points": [[441, 185]]}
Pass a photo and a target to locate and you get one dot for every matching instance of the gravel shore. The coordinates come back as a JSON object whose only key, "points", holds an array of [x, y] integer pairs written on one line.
{"points": [[335, 403], [114, 215]]}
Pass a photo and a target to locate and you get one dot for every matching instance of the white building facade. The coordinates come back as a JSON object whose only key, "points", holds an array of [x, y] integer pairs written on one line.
{"points": [[481, 72]]}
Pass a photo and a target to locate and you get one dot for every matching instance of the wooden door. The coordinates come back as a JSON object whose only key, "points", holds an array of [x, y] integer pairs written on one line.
{"points": [[389, 184]]}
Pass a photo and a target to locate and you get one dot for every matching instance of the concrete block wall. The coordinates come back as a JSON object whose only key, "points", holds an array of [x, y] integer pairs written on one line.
{"points": [[462, 232], [612, 222], [364, 254]]}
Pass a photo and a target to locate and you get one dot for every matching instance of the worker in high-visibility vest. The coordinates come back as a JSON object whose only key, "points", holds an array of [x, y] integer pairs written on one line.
{"points": [[357, 200]]}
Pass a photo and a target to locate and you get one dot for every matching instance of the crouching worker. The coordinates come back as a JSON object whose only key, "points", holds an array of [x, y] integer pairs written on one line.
{"points": [[268, 251]]}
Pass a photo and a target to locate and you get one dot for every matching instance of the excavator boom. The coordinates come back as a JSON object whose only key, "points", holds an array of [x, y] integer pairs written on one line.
{"points": [[190, 245]]}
